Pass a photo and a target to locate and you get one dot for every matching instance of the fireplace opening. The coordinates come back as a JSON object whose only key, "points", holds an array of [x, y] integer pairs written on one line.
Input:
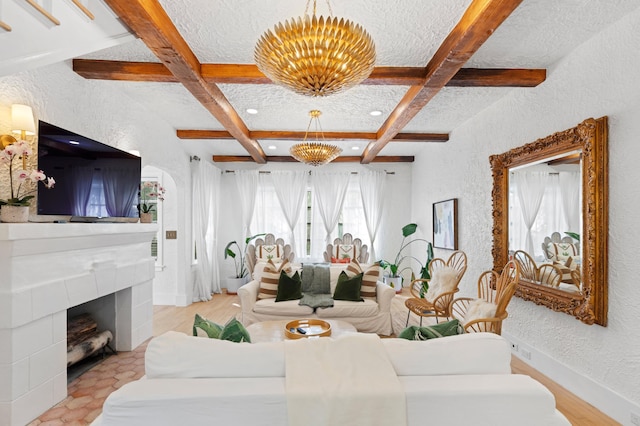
{"points": [[90, 335]]}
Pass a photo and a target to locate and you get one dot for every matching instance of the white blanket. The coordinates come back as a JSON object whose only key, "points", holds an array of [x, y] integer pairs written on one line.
{"points": [[343, 381]]}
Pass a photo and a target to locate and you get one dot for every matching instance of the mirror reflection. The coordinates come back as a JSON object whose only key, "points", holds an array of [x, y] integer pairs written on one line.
{"points": [[545, 221]]}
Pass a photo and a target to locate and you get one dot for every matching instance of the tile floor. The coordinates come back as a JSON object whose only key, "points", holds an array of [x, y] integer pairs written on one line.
{"points": [[87, 393]]}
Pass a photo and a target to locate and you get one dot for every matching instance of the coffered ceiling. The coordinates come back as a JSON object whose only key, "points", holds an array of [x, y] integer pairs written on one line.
{"points": [[438, 64]]}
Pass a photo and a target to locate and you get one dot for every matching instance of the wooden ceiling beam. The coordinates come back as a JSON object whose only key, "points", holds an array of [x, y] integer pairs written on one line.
{"points": [[298, 136], [151, 23], [249, 74], [477, 24], [288, 159]]}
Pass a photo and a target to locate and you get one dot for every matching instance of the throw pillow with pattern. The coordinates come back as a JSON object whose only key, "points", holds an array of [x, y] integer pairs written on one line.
{"points": [[269, 252], [271, 277], [369, 278]]}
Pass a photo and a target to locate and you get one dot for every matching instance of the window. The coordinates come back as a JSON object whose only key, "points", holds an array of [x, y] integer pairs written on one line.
{"points": [[149, 198], [268, 217]]}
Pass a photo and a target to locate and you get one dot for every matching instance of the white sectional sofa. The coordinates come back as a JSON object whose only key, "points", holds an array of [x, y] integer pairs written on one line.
{"points": [[457, 380], [368, 316]]}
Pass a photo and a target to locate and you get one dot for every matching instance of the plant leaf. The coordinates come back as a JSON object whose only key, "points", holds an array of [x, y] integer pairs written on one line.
{"points": [[409, 229], [573, 235], [248, 239]]}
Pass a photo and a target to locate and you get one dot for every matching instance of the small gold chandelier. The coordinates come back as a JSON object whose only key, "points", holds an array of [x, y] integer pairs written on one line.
{"points": [[316, 56], [314, 153]]}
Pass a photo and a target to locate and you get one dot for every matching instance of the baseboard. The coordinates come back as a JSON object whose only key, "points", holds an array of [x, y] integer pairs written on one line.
{"points": [[604, 399]]}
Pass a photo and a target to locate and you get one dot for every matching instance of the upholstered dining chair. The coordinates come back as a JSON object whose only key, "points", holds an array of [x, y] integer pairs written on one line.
{"points": [[546, 274], [268, 248], [436, 301], [346, 247], [487, 312]]}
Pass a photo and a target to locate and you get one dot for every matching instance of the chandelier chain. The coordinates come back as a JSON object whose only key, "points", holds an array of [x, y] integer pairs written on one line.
{"points": [[306, 9]]}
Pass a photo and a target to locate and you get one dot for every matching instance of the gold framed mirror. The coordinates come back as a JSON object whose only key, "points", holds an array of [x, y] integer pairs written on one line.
{"points": [[582, 290]]}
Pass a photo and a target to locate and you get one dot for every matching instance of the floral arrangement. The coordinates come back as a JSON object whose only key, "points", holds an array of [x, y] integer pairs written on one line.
{"points": [[150, 190], [19, 179]]}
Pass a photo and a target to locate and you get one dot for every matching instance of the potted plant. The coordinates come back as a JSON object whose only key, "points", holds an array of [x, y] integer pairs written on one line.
{"points": [[402, 262], [240, 278], [149, 190], [15, 208]]}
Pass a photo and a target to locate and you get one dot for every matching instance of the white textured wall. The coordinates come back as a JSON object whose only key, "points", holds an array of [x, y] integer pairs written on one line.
{"points": [[99, 110], [599, 78]]}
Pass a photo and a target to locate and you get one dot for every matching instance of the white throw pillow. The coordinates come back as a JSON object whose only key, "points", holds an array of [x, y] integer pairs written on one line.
{"points": [[442, 281], [479, 309]]}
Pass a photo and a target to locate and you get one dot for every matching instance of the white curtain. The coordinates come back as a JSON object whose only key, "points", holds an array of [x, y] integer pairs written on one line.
{"points": [[81, 179], [247, 181], [372, 187], [121, 187], [205, 191], [330, 189], [570, 191], [530, 187], [291, 188]]}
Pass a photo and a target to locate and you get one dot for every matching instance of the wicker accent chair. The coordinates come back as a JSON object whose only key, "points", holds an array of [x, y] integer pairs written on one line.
{"points": [[251, 257], [347, 240], [494, 288], [440, 306], [557, 238], [546, 274]]}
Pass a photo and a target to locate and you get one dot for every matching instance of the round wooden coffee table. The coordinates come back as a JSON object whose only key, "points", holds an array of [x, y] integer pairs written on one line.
{"points": [[273, 331]]}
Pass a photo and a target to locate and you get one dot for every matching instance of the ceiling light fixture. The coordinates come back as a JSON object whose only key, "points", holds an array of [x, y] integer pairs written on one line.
{"points": [[314, 153], [271, 147], [375, 113], [252, 111], [316, 56]]}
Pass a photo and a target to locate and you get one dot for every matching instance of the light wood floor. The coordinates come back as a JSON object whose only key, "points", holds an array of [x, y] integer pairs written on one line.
{"points": [[223, 306]]}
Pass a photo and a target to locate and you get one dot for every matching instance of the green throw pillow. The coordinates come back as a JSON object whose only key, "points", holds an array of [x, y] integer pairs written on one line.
{"points": [[289, 288], [212, 329], [233, 330], [348, 288], [450, 328]]}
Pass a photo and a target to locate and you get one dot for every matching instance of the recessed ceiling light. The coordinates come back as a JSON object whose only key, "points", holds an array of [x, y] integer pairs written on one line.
{"points": [[271, 147], [376, 113], [74, 142], [252, 111], [355, 148]]}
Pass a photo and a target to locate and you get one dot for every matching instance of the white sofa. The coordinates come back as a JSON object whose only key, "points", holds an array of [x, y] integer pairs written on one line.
{"points": [[368, 316], [455, 380]]}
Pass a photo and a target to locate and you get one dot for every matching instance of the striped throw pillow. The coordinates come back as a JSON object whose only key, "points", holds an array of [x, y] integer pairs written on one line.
{"points": [[271, 277], [369, 278]]}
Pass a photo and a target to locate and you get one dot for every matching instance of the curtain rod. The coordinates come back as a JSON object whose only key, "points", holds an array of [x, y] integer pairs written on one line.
{"points": [[267, 172]]}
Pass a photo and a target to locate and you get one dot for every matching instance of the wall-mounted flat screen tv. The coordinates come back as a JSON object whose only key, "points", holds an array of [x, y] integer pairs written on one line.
{"points": [[93, 180]]}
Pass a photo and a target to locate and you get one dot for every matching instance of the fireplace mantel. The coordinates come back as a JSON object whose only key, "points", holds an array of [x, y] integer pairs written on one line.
{"points": [[47, 268]]}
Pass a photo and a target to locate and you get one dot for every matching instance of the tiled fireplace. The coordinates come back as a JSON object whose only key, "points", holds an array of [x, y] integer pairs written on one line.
{"points": [[46, 269]]}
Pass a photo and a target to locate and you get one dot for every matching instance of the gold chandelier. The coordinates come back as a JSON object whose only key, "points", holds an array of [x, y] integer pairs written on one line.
{"points": [[314, 153], [316, 56]]}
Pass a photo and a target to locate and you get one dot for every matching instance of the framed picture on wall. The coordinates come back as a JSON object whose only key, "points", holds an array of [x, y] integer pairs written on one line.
{"points": [[445, 224]]}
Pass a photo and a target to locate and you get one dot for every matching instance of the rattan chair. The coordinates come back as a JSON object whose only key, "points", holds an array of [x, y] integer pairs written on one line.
{"points": [[269, 240], [545, 274], [492, 288], [440, 306], [347, 240], [556, 238]]}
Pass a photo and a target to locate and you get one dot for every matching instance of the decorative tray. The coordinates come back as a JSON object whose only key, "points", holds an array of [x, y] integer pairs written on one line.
{"points": [[300, 329]]}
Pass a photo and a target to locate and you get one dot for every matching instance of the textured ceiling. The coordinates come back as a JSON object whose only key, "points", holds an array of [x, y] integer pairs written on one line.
{"points": [[406, 33]]}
